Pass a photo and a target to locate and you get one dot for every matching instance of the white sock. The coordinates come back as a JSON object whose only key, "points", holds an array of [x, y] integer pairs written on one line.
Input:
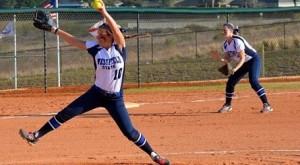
{"points": [[36, 134], [153, 154]]}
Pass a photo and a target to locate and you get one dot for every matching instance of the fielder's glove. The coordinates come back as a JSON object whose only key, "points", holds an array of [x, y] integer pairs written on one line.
{"points": [[226, 70], [43, 20]]}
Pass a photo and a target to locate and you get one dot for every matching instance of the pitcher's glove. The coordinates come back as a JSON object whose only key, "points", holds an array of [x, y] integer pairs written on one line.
{"points": [[226, 70], [43, 20]]}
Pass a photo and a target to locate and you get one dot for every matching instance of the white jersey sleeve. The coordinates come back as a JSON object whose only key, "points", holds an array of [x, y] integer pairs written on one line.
{"points": [[90, 44], [237, 45]]}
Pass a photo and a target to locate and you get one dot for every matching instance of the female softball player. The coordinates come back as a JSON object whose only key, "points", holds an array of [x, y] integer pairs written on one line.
{"points": [[248, 61], [109, 56]]}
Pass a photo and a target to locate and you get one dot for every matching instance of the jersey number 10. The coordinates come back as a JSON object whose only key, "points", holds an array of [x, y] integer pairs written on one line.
{"points": [[118, 73]]}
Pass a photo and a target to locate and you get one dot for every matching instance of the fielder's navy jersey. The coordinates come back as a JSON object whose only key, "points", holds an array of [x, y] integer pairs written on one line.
{"points": [[238, 44], [109, 66]]}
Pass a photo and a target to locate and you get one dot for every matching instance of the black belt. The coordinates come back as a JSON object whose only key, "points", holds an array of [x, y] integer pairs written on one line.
{"points": [[108, 94]]}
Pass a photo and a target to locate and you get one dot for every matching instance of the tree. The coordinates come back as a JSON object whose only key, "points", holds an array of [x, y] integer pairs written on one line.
{"points": [[27, 3], [110, 2], [137, 3], [248, 3], [166, 3], [7, 3], [209, 3]]}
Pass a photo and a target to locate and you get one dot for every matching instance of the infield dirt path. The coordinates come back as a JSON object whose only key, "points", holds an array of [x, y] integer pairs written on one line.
{"points": [[182, 126]]}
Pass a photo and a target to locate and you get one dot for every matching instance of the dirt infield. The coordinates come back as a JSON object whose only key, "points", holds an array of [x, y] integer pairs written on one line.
{"points": [[181, 125]]}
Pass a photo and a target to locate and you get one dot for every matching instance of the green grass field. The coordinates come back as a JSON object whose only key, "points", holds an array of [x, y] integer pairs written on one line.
{"points": [[241, 86]]}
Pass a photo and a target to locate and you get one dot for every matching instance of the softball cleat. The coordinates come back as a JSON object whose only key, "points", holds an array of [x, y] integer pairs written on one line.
{"points": [[266, 109], [225, 108], [29, 137], [161, 160]]}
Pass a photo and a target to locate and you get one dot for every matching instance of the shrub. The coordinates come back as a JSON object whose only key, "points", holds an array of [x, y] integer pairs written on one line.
{"points": [[296, 42], [282, 44], [171, 42], [266, 45], [270, 45], [195, 27], [273, 46]]}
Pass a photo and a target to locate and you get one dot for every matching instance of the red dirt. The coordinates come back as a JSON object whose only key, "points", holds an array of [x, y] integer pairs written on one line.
{"points": [[182, 126]]}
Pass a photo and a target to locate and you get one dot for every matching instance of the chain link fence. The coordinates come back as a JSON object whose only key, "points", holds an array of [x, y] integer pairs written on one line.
{"points": [[176, 49]]}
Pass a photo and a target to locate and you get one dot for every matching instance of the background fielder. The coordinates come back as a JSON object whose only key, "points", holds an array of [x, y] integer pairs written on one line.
{"points": [[248, 61]]}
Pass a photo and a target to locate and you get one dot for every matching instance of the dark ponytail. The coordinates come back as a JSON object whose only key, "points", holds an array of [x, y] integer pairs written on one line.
{"points": [[236, 31]]}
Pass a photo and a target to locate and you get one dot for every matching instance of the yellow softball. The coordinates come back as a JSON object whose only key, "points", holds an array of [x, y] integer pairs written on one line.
{"points": [[96, 4]]}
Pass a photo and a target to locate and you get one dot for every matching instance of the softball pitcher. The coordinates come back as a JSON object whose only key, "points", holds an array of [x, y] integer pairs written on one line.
{"points": [[248, 61], [109, 54]]}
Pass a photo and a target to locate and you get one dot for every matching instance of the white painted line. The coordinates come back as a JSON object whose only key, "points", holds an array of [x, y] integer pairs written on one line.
{"points": [[167, 102], [216, 99], [217, 152], [134, 105], [232, 151], [12, 117]]}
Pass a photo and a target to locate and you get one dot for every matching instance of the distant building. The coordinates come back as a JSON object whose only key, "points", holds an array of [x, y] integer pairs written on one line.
{"points": [[264, 3], [280, 3], [72, 4], [187, 3], [242, 3], [201, 3], [238, 3], [69, 1]]}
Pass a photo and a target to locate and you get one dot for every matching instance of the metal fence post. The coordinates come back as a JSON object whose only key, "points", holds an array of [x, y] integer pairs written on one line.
{"points": [[284, 34], [15, 53], [152, 50], [138, 51], [263, 60], [45, 63], [227, 18], [196, 43], [58, 48]]}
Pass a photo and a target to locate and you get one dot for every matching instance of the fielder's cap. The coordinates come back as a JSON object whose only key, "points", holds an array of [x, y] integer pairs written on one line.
{"points": [[231, 27]]}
